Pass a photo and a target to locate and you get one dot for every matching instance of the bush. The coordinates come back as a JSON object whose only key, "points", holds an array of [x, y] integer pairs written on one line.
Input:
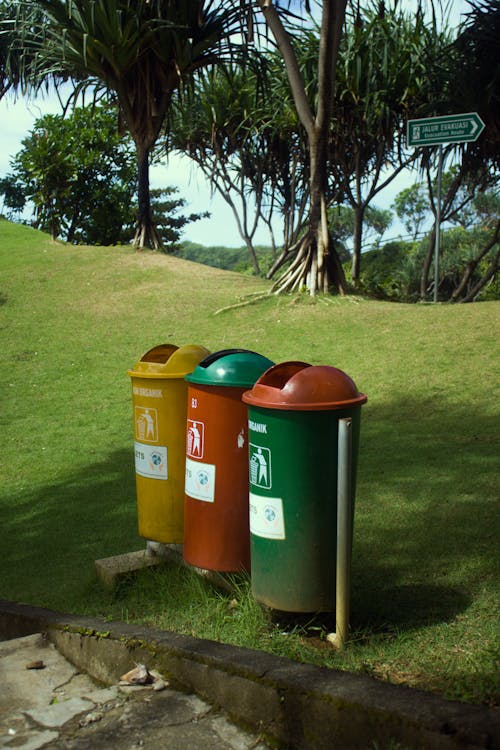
{"points": [[391, 272]]}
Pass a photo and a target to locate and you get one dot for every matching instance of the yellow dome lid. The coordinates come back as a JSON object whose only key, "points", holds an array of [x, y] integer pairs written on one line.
{"points": [[169, 361]]}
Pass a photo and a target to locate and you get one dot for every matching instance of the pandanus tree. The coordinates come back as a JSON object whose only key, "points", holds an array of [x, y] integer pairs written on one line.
{"points": [[479, 47], [288, 173], [315, 264], [213, 123], [238, 126], [382, 81], [476, 85], [469, 81], [9, 74], [138, 51]]}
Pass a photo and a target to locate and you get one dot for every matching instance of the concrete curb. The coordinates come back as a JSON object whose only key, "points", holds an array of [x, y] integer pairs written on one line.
{"points": [[299, 706]]}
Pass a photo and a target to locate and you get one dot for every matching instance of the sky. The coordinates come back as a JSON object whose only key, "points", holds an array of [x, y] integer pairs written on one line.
{"points": [[17, 118]]}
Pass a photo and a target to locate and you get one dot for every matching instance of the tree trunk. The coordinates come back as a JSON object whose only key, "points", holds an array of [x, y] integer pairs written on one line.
{"points": [[253, 256], [446, 213], [359, 211], [471, 267], [224, 191], [486, 278], [316, 265], [72, 229], [54, 226], [424, 278], [146, 234]]}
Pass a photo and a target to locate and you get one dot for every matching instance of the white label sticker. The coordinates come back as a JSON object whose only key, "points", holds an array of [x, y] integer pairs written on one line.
{"points": [[266, 517], [200, 480], [151, 461]]}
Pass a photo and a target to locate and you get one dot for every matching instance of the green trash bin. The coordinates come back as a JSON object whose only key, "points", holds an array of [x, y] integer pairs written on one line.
{"points": [[293, 418]]}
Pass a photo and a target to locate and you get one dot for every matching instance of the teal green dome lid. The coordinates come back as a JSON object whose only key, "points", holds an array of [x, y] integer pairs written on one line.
{"points": [[238, 368]]}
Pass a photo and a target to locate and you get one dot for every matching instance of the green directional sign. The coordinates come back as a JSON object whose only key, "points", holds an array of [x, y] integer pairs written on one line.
{"points": [[433, 131]]}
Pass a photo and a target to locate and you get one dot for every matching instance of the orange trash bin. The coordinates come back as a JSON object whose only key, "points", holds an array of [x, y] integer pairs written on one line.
{"points": [[216, 520]]}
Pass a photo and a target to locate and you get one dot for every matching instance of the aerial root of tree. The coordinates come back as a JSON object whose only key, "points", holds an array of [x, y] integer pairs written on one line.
{"points": [[260, 293], [306, 271], [293, 272], [284, 256], [244, 303], [147, 236]]}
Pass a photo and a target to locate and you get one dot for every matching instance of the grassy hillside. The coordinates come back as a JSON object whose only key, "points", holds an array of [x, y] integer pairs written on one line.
{"points": [[425, 571]]}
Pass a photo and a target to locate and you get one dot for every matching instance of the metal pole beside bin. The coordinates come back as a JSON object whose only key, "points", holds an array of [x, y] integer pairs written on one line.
{"points": [[344, 536]]}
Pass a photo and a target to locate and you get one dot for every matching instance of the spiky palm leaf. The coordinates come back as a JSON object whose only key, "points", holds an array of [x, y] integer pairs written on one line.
{"points": [[140, 51]]}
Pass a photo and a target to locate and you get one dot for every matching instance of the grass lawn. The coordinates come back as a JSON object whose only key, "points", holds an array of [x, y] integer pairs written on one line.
{"points": [[425, 559]]}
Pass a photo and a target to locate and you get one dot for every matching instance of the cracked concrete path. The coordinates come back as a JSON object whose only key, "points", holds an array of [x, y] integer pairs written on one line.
{"points": [[46, 703]]}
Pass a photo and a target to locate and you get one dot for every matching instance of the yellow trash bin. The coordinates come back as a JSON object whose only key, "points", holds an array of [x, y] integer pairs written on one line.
{"points": [[159, 397]]}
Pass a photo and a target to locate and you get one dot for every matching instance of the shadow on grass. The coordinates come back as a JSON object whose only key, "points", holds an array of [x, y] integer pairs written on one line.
{"points": [[426, 519], [424, 531], [407, 607], [52, 536], [384, 610]]}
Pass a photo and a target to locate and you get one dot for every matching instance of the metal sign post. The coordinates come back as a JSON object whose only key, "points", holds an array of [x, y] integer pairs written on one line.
{"points": [[437, 237], [434, 131]]}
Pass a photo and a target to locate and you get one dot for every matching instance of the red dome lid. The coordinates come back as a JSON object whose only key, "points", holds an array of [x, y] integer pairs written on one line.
{"points": [[298, 386]]}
